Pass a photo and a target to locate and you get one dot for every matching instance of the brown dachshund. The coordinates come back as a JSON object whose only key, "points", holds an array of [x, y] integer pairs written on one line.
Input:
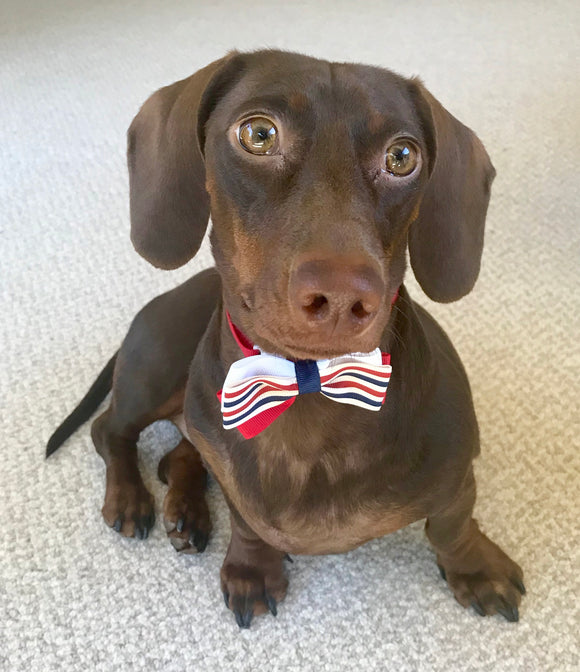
{"points": [[318, 177]]}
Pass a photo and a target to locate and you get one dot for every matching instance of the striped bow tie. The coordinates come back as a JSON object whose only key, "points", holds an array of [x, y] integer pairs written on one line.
{"points": [[261, 386]]}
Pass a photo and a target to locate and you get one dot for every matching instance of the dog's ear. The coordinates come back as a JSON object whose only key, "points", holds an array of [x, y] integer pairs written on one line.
{"points": [[168, 199], [446, 239]]}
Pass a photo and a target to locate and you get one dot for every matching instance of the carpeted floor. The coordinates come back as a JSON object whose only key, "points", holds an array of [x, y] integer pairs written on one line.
{"points": [[75, 596]]}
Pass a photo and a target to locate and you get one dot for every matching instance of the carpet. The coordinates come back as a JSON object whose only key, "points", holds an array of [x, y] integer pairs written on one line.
{"points": [[73, 594]]}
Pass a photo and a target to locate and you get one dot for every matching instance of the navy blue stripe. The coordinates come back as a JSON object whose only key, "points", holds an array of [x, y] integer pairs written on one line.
{"points": [[377, 381], [267, 400], [238, 400], [352, 395]]}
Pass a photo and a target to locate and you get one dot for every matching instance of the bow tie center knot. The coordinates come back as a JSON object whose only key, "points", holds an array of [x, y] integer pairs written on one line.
{"points": [[307, 376]]}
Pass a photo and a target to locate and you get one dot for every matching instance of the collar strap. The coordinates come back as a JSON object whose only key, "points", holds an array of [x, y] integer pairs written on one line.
{"points": [[241, 339]]}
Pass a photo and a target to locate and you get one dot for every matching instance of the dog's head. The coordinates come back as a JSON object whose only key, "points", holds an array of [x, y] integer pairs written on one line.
{"points": [[318, 175]]}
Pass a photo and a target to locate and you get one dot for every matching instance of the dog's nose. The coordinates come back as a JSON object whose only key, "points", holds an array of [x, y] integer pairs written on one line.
{"points": [[337, 297]]}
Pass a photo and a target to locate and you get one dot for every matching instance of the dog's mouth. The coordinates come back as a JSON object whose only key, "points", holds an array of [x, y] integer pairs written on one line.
{"points": [[294, 350], [297, 353]]}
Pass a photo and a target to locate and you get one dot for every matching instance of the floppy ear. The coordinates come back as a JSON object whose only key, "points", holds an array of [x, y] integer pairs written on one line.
{"points": [[168, 200], [446, 239]]}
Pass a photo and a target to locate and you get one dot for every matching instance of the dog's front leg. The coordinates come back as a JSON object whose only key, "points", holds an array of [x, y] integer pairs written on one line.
{"points": [[252, 576], [478, 572]]}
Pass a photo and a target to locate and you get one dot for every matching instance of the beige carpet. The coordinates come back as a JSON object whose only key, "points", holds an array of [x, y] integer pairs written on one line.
{"points": [[75, 596]]}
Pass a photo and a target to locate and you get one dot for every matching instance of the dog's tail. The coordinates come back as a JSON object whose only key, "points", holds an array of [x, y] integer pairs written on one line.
{"points": [[85, 408]]}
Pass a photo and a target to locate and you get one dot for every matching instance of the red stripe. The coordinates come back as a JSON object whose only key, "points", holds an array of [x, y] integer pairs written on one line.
{"points": [[354, 367], [360, 386], [239, 409], [257, 393], [231, 396]]}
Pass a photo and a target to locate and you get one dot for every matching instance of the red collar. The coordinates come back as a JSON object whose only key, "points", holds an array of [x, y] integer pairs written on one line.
{"points": [[241, 339]]}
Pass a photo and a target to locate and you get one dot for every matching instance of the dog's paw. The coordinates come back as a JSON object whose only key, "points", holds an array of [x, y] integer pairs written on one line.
{"points": [[496, 585], [129, 508], [252, 590], [186, 519]]}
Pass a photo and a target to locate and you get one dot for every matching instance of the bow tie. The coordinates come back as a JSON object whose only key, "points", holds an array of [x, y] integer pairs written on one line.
{"points": [[261, 386]]}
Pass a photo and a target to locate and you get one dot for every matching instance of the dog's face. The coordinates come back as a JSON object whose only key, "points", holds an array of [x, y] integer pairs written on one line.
{"points": [[315, 172], [318, 174]]}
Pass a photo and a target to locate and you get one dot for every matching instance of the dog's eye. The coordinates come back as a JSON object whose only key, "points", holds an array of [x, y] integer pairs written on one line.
{"points": [[258, 136], [401, 158]]}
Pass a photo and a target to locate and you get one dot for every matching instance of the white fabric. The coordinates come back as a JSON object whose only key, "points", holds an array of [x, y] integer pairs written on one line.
{"points": [[274, 366]]}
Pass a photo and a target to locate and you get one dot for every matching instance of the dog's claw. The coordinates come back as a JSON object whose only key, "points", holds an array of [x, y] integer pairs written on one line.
{"points": [[239, 619], [271, 604], [442, 572], [287, 557], [510, 613], [142, 527], [118, 524], [180, 525], [518, 583], [200, 540], [148, 523], [478, 608], [226, 598], [243, 620]]}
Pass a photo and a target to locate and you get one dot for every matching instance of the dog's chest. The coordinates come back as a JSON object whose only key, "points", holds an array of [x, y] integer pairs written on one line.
{"points": [[318, 480], [320, 507], [309, 485]]}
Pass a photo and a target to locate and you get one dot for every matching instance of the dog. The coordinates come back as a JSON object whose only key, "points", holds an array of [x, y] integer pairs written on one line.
{"points": [[319, 176]]}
